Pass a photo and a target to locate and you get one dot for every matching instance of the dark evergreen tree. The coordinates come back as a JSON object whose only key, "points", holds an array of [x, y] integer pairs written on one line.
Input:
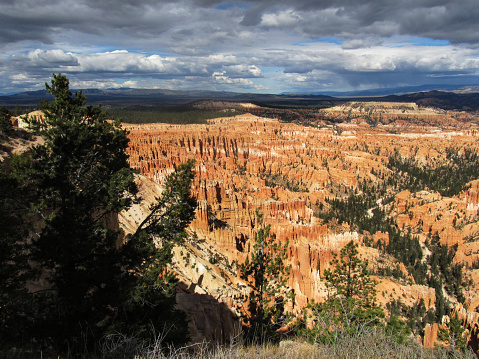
{"points": [[350, 277], [6, 126], [266, 272], [78, 181], [454, 334], [14, 266], [351, 303]]}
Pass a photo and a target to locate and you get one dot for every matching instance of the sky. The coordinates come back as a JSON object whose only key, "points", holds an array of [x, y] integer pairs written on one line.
{"points": [[269, 46]]}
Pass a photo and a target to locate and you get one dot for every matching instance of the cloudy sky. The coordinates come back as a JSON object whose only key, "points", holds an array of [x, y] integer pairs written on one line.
{"points": [[269, 46]]}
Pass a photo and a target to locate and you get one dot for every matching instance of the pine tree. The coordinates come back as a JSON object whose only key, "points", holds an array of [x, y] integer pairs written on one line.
{"points": [[351, 305], [454, 334], [78, 181], [350, 277], [266, 272], [6, 126], [14, 266]]}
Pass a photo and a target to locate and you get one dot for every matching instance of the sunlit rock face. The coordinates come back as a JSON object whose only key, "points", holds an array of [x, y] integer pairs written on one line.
{"points": [[286, 171]]}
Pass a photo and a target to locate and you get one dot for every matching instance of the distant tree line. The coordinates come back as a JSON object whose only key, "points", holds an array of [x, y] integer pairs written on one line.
{"points": [[178, 115], [304, 116]]}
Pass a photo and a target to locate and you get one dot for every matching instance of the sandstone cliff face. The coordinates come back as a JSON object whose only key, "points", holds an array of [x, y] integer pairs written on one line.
{"points": [[209, 293], [286, 171]]}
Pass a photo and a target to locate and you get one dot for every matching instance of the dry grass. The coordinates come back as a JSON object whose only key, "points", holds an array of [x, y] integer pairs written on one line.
{"points": [[369, 345]]}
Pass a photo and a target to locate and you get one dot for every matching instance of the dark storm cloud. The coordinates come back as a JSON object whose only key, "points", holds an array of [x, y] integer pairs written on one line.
{"points": [[455, 21], [14, 30], [36, 21]]}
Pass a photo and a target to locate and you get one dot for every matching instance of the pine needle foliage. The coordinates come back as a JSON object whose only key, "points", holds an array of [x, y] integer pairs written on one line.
{"points": [[266, 271], [76, 183], [350, 277], [454, 335], [350, 306]]}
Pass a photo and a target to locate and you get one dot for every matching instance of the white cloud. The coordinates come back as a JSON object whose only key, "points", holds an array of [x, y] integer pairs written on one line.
{"points": [[243, 70], [221, 78], [52, 56], [130, 84], [284, 18]]}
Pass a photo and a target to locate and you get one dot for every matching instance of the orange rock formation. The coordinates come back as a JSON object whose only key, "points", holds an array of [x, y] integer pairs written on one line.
{"points": [[286, 171]]}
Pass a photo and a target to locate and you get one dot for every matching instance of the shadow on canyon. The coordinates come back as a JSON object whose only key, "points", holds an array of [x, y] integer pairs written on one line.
{"points": [[210, 320]]}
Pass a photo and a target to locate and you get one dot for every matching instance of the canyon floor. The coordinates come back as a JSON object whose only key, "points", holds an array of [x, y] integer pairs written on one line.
{"points": [[292, 174]]}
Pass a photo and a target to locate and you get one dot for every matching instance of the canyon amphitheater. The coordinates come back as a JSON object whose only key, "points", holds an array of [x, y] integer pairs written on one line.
{"points": [[287, 172]]}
